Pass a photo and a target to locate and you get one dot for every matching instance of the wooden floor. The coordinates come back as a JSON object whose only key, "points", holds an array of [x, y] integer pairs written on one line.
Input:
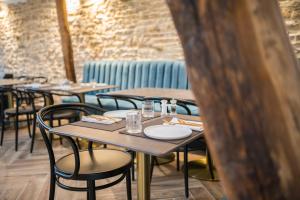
{"points": [[25, 176]]}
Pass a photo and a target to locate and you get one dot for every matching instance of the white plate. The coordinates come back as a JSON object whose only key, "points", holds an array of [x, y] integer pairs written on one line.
{"points": [[117, 113], [167, 132]]}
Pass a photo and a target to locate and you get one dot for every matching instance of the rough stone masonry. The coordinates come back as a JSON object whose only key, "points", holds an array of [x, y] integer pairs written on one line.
{"points": [[101, 30]]}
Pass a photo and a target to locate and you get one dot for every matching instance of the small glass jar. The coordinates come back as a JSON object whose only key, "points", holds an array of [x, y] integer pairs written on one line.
{"points": [[133, 122], [172, 107], [164, 108]]}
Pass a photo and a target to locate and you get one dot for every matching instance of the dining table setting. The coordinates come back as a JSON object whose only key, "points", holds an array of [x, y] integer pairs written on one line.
{"points": [[147, 132]]}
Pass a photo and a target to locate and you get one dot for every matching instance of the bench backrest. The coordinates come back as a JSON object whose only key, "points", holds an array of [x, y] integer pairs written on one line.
{"points": [[138, 74]]}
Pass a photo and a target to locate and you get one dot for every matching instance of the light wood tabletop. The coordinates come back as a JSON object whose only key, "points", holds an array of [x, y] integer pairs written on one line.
{"points": [[158, 92], [11, 82], [140, 144], [78, 89]]}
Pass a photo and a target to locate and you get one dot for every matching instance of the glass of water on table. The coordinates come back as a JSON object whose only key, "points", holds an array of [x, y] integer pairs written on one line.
{"points": [[134, 122], [148, 108]]}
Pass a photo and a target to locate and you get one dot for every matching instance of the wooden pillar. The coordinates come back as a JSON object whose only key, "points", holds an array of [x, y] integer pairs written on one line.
{"points": [[65, 39], [247, 83]]}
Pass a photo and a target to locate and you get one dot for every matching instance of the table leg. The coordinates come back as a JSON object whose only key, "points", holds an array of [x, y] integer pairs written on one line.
{"points": [[10, 100], [143, 176], [81, 97]]}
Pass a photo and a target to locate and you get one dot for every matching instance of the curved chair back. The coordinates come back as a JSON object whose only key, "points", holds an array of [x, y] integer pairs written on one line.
{"points": [[185, 105], [47, 113], [117, 98]]}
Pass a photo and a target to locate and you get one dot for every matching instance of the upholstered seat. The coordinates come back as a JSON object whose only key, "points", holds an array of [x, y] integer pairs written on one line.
{"points": [[99, 164]]}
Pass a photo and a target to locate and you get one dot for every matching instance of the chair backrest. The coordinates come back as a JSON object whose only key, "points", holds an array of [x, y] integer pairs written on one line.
{"points": [[47, 113], [118, 98], [132, 100], [138, 74]]}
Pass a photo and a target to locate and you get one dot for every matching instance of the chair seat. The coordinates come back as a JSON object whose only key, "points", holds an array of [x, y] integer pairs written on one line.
{"points": [[22, 110], [102, 163]]}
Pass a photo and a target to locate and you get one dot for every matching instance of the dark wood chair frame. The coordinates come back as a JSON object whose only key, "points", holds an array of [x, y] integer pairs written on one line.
{"points": [[56, 175]]}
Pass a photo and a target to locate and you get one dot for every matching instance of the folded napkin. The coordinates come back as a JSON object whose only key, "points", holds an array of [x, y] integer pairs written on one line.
{"points": [[100, 119], [194, 125]]}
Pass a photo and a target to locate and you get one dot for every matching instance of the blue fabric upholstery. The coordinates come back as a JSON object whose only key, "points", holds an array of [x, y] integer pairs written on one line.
{"points": [[134, 74], [137, 74]]}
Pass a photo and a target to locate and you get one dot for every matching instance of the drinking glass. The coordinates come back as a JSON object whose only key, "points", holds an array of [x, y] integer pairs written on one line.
{"points": [[148, 108], [133, 122], [173, 107], [93, 82]]}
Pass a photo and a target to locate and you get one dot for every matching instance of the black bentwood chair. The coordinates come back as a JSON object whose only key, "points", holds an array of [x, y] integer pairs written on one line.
{"points": [[24, 104], [89, 165], [48, 99]]}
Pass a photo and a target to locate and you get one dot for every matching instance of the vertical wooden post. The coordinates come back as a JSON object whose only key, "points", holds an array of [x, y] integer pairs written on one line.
{"points": [[65, 39], [247, 82]]}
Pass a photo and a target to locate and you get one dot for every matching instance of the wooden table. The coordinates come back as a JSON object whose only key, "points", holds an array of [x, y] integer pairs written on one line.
{"points": [[143, 146], [11, 82], [77, 89], [158, 92]]}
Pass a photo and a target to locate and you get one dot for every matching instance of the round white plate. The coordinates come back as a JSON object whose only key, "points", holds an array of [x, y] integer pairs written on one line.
{"points": [[117, 113], [167, 132]]}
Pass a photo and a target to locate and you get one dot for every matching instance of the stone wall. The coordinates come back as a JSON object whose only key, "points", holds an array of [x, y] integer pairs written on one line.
{"points": [[29, 39], [101, 30], [291, 13]]}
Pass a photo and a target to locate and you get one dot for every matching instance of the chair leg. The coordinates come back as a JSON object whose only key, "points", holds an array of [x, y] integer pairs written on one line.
{"points": [[186, 175], [128, 185], [153, 158], [52, 186], [78, 143], [132, 168], [33, 133], [2, 130], [210, 164], [17, 132], [60, 138], [177, 160], [91, 190], [28, 124]]}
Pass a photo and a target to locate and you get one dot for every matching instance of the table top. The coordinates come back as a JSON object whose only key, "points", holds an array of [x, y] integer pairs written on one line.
{"points": [[139, 144], [158, 92], [77, 88], [10, 82]]}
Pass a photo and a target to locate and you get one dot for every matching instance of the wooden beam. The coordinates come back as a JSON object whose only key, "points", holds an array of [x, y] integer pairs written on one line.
{"points": [[65, 39], [246, 80]]}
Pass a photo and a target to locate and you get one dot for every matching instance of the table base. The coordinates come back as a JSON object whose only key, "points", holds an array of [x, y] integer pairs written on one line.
{"points": [[165, 159], [199, 169], [143, 176]]}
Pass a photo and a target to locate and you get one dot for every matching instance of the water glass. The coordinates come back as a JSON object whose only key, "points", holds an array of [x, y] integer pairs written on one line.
{"points": [[148, 108], [133, 122], [94, 83]]}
